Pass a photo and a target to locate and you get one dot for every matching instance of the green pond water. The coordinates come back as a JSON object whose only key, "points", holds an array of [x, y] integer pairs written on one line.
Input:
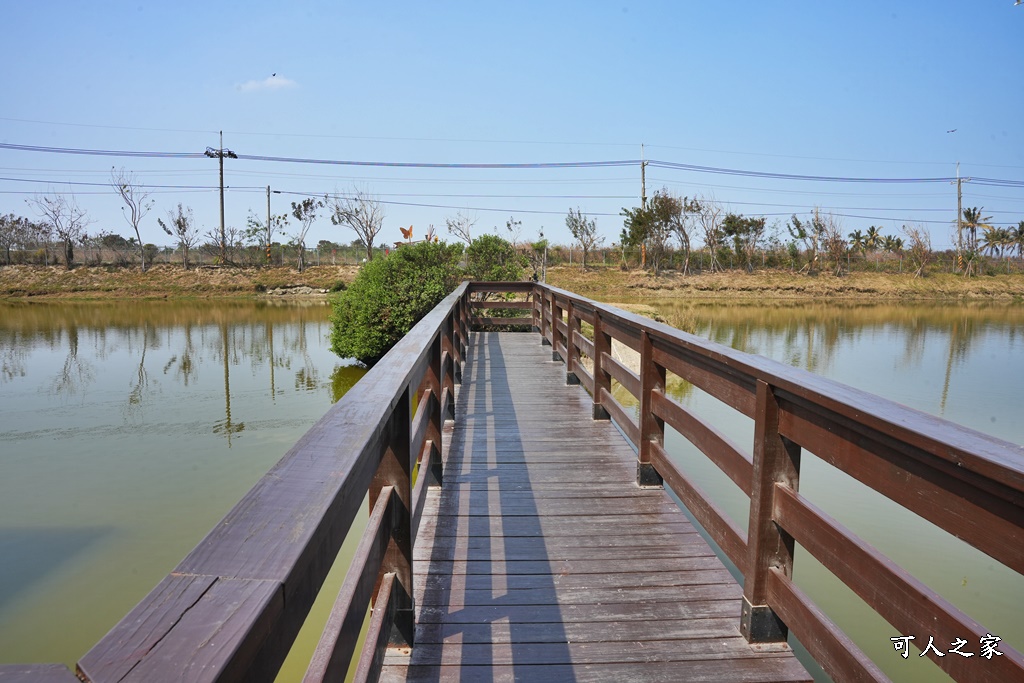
{"points": [[128, 429]]}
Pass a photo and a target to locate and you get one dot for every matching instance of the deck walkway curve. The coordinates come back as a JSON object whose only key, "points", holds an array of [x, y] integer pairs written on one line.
{"points": [[540, 559]]}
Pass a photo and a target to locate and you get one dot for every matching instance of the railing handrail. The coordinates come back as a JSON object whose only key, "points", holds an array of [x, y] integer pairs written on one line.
{"points": [[964, 481], [961, 446], [231, 609]]}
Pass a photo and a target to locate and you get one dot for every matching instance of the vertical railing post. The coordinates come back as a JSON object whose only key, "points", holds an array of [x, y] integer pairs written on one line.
{"points": [[602, 380], [556, 334], [464, 327], [395, 470], [454, 337], [776, 461], [448, 363], [533, 298], [572, 324], [545, 318], [433, 382], [652, 428]]}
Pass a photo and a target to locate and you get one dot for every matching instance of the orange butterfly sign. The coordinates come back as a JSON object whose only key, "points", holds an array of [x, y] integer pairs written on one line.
{"points": [[406, 233]]}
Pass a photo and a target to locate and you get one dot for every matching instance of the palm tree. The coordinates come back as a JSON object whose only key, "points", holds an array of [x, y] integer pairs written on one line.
{"points": [[994, 240], [972, 221], [857, 241], [873, 240], [892, 245], [1017, 236]]}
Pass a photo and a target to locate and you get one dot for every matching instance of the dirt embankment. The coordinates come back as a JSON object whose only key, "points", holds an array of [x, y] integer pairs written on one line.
{"points": [[605, 283]]}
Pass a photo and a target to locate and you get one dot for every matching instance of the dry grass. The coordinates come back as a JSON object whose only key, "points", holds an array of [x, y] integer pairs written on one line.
{"points": [[612, 283], [165, 281], [605, 283]]}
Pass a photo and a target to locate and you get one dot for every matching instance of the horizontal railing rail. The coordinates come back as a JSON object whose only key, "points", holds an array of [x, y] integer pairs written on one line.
{"points": [[506, 304], [965, 482]]}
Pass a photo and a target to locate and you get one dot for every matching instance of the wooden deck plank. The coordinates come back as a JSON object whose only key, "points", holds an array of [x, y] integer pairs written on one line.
{"points": [[758, 670], [36, 673], [541, 559], [502, 633]]}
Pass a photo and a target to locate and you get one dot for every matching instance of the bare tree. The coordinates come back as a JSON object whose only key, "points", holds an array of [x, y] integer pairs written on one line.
{"points": [[14, 231], [226, 251], [305, 214], [674, 215], [182, 227], [584, 230], [62, 215], [919, 250], [136, 199], [514, 229], [709, 217], [834, 243], [260, 233], [461, 227], [42, 237], [362, 213]]}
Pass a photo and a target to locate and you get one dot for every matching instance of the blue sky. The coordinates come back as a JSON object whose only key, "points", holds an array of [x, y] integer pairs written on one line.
{"points": [[852, 90]]}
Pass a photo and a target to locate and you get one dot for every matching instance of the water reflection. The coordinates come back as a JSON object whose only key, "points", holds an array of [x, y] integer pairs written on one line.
{"points": [[127, 431], [929, 356]]}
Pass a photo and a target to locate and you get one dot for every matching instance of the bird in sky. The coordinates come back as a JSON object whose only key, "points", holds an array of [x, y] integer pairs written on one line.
{"points": [[273, 75], [951, 131]]}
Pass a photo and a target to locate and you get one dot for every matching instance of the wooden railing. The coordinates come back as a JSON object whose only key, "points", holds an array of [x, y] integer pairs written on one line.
{"points": [[964, 482], [232, 608]]}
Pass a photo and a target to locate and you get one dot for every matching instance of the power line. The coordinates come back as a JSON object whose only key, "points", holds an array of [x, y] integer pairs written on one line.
{"points": [[532, 165], [85, 184], [790, 176], [102, 152]]}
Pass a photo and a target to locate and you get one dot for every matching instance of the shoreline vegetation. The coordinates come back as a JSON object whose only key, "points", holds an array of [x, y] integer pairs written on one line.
{"points": [[607, 283]]}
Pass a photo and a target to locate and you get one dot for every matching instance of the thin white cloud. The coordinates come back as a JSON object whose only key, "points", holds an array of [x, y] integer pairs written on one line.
{"points": [[274, 82]]}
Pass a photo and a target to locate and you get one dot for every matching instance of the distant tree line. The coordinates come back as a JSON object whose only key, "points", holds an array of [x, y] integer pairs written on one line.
{"points": [[688, 235]]}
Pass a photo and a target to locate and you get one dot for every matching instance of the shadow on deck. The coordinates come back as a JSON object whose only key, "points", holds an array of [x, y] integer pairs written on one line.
{"points": [[540, 559]]}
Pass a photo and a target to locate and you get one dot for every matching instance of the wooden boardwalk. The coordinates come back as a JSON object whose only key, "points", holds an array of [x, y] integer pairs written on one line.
{"points": [[540, 559]]}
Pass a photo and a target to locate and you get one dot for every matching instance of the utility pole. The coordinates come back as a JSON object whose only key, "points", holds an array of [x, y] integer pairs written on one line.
{"points": [[643, 178], [268, 225], [220, 154], [959, 216]]}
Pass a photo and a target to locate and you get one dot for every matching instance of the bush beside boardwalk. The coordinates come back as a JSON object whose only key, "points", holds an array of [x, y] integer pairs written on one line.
{"points": [[602, 282]]}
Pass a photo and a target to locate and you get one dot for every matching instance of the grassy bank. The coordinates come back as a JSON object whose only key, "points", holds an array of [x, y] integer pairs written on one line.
{"points": [[607, 283], [612, 283], [166, 281]]}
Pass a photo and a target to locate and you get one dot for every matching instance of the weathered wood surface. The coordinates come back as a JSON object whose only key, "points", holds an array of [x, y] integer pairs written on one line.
{"points": [[540, 559], [36, 673]]}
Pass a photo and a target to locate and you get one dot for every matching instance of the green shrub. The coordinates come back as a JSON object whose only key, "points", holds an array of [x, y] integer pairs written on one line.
{"points": [[490, 258], [390, 295]]}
